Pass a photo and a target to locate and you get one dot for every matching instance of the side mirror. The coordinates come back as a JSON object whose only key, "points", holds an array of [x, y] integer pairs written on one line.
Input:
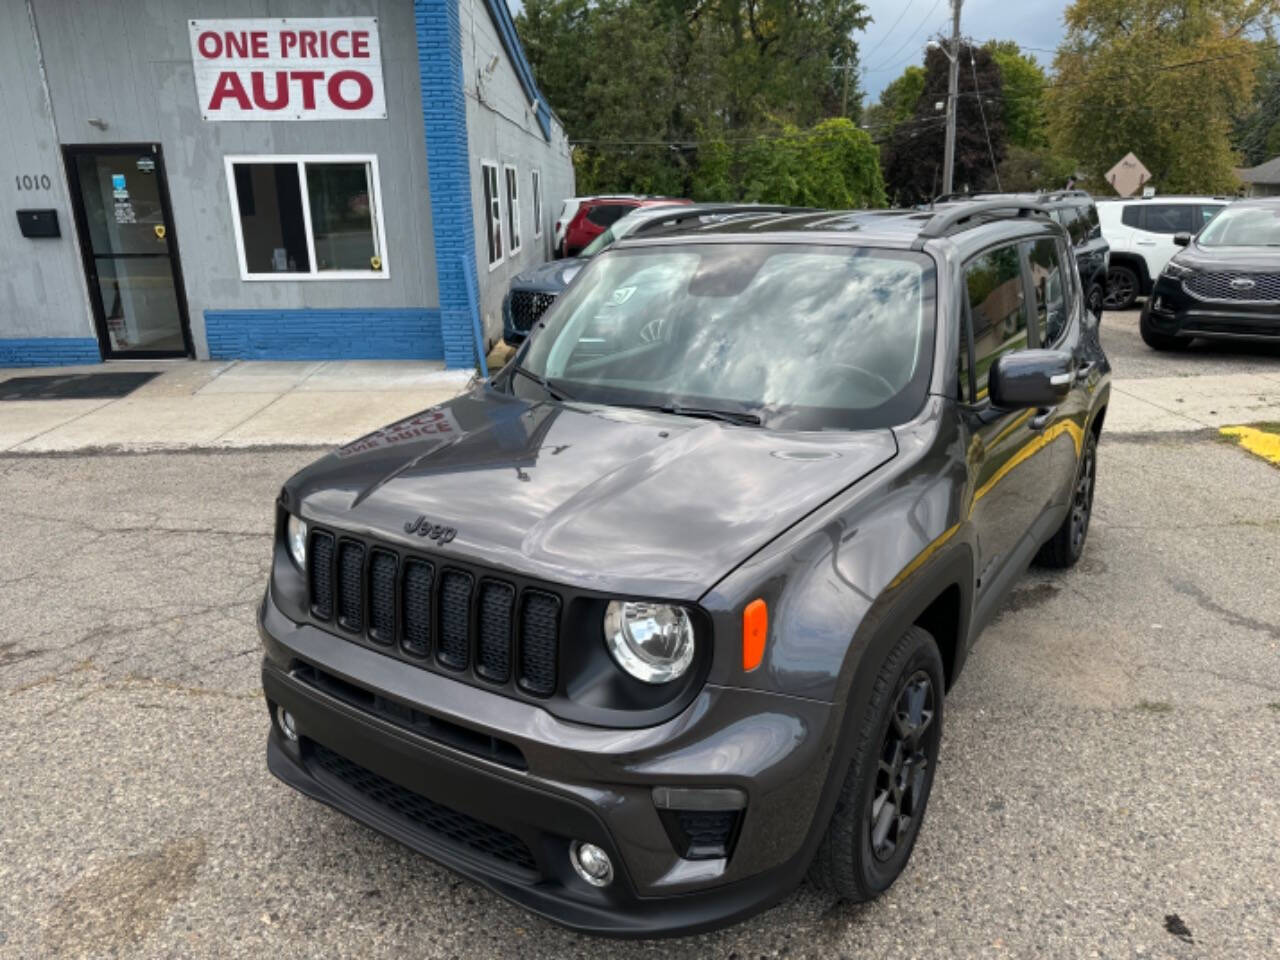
{"points": [[1181, 239], [1030, 378]]}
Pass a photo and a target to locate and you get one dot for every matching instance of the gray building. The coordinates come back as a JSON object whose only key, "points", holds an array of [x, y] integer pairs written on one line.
{"points": [[293, 179]]}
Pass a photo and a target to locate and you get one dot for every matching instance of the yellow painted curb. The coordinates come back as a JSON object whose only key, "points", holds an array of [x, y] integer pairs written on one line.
{"points": [[1258, 442]]}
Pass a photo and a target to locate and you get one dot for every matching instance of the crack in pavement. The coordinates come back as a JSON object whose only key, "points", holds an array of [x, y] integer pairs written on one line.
{"points": [[1232, 617]]}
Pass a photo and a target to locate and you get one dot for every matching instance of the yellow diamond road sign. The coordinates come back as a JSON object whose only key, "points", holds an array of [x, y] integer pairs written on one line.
{"points": [[1128, 176]]}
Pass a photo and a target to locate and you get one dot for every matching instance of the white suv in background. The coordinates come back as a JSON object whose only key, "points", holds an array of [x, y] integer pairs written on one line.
{"points": [[1140, 232]]}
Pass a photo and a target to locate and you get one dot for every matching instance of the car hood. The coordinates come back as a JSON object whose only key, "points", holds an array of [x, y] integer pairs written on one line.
{"points": [[551, 277], [1247, 259], [604, 498]]}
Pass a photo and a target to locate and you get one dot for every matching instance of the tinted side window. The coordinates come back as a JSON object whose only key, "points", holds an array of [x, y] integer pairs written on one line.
{"points": [[607, 214], [1131, 216], [1170, 218], [1049, 281], [997, 308]]}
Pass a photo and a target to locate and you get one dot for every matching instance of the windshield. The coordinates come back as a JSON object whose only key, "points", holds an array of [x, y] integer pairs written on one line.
{"points": [[803, 336], [1243, 227]]}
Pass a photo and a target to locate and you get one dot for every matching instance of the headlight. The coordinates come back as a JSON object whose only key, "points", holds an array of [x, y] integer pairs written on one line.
{"points": [[295, 533], [1177, 271], [651, 641]]}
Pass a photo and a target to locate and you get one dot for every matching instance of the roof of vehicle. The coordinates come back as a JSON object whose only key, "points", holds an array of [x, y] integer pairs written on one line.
{"points": [[1167, 198], [1028, 196], [968, 224]]}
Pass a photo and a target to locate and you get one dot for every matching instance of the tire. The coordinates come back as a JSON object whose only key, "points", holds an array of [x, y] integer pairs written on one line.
{"points": [[1122, 288], [1064, 548], [1160, 341], [848, 861], [1096, 300]]}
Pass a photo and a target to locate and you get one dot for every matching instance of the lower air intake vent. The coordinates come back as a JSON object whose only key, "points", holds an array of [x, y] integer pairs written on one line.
{"points": [[428, 816]]}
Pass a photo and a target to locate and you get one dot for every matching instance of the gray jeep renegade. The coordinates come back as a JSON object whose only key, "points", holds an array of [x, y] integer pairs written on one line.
{"points": [[658, 620]]}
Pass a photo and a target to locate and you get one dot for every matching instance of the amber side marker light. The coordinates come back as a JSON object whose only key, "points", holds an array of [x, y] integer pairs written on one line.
{"points": [[755, 627]]}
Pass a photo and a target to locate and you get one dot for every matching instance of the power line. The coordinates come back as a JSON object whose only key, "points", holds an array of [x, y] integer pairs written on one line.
{"points": [[983, 114], [912, 36], [885, 36]]}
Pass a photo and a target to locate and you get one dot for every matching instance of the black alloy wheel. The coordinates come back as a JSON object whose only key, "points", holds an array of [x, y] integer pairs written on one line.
{"points": [[898, 799], [1122, 289], [1082, 497]]}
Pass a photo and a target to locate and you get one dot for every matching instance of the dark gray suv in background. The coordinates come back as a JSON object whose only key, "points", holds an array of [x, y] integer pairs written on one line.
{"points": [[659, 619]]}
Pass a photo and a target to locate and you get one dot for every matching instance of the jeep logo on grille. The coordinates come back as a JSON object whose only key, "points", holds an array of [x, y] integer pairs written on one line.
{"points": [[1242, 283], [432, 531]]}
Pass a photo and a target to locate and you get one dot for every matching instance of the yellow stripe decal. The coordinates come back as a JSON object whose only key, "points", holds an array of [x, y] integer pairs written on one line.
{"points": [[923, 555], [1258, 442], [1037, 443]]}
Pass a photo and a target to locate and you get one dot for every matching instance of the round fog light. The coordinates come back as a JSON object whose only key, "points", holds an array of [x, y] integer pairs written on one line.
{"points": [[591, 863], [285, 719]]}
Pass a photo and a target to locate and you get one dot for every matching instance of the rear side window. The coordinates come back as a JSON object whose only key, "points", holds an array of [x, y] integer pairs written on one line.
{"points": [[1131, 216], [1170, 218], [997, 311], [1049, 283], [607, 214]]}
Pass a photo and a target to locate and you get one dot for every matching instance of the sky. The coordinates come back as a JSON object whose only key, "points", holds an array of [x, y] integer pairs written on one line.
{"points": [[901, 28]]}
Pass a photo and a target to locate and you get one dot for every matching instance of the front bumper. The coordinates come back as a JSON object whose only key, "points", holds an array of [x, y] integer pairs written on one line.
{"points": [[553, 782], [1172, 312]]}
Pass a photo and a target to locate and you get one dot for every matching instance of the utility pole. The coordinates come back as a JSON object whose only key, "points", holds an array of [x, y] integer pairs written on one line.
{"points": [[953, 81]]}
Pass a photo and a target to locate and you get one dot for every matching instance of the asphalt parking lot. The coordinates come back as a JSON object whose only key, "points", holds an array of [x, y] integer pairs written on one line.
{"points": [[1109, 782]]}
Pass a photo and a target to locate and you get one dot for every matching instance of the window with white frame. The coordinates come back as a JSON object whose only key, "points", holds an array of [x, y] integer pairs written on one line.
{"points": [[493, 211], [537, 204], [308, 217], [513, 206]]}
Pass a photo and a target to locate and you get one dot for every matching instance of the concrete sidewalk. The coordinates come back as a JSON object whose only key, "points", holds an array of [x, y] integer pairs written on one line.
{"points": [[231, 404], [236, 404]]}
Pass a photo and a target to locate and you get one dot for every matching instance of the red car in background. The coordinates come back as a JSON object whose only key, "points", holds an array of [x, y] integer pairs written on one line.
{"points": [[597, 214]]}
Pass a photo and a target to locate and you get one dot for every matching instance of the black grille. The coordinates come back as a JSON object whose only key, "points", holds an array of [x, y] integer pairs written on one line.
{"points": [[321, 565], [527, 308], [1234, 286], [417, 607], [539, 628], [493, 657], [464, 620], [351, 585], [382, 596], [455, 617], [434, 818], [702, 834]]}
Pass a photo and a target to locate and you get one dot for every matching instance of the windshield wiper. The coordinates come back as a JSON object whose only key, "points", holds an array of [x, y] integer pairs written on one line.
{"points": [[542, 382], [740, 417]]}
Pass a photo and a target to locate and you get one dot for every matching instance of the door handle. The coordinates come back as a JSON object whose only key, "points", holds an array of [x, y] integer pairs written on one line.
{"points": [[1083, 371], [1146, 243], [1042, 418]]}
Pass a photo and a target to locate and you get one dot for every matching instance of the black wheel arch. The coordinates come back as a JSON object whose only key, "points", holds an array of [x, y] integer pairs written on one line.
{"points": [[1138, 265]]}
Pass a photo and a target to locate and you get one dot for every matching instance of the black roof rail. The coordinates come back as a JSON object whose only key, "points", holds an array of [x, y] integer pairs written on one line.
{"points": [[945, 222], [675, 215]]}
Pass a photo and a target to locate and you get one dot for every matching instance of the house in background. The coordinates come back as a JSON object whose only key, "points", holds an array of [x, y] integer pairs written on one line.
{"points": [[1262, 180], [268, 179]]}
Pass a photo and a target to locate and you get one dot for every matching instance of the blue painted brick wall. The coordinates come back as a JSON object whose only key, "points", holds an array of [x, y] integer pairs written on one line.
{"points": [[376, 334], [444, 118], [48, 351]]}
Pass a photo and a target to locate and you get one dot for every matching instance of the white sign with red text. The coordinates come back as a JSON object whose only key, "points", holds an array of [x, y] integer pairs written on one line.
{"points": [[290, 69]]}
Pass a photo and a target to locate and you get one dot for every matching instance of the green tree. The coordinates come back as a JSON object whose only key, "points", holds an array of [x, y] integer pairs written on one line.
{"points": [[639, 83], [1024, 85], [1161, 78], [1257, 131], [897, 103], [1034, 169], [832, 164]]}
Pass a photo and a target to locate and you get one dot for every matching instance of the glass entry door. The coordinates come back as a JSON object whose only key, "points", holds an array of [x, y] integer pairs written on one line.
{"points": [[121, 206]]}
